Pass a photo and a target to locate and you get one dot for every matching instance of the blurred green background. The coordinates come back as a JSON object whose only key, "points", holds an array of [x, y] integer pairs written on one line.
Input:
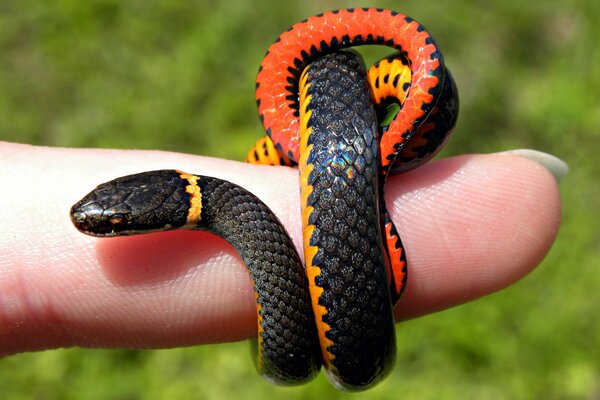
{"points": [[179, 76]]}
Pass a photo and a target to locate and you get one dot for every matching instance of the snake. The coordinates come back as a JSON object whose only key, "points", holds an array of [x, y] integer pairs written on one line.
{"points": [[347, 129]]}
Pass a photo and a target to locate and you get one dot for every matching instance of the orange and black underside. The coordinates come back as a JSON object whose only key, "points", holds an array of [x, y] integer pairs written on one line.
{"points": [[278, 77], [264, 152]]}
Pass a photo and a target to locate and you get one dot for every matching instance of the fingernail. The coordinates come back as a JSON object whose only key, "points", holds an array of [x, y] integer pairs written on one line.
{"points": [[557, 167]]}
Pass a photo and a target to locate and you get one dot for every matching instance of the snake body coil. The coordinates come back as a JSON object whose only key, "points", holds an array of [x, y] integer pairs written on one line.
{"points": [[343, 248], [347, 129]]}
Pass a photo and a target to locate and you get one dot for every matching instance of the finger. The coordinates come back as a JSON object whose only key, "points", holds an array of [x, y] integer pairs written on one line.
{"points": [[471, 225], [62, 288]]}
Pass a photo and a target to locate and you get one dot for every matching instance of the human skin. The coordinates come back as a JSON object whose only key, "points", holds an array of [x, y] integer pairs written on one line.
{"points": [[471, 225]]}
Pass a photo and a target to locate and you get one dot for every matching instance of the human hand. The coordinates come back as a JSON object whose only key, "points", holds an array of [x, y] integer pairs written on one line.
{"points": [[471, 225]]}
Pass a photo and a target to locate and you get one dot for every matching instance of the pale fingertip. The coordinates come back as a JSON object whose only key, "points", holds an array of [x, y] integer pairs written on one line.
{"points": [[557, 167]]}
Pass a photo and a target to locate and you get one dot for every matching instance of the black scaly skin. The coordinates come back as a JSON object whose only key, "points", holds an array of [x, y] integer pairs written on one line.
{"points": [[345, 199], [290, 349], [157, 200]]}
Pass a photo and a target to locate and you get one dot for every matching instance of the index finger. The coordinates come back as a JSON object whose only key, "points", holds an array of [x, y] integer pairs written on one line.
{"points": [[471, 225]]}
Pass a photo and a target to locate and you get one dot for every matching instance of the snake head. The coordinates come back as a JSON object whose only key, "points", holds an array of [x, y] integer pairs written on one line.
{"points": [[141, 203]]}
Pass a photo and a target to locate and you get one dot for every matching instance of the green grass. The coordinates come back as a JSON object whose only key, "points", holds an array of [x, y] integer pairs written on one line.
{"points": [[179, 76]]}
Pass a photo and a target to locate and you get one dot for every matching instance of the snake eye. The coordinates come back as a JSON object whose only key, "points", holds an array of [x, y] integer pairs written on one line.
{"points": [[118, 222]]}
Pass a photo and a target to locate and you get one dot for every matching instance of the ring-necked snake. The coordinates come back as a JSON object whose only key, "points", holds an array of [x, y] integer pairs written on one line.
{"points": [[347, 129]]}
